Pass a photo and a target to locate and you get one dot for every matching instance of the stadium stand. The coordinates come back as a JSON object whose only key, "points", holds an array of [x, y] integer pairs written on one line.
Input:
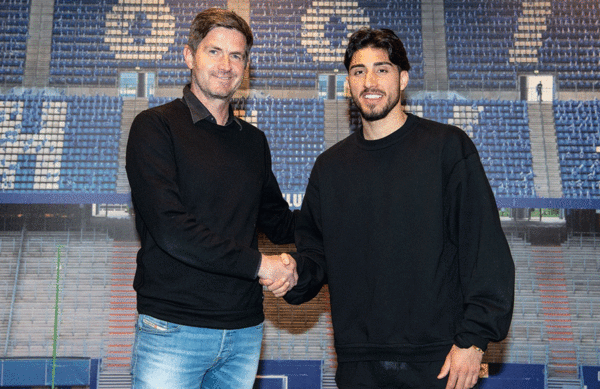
{"points": [[59, 143], [578, 138], [478, 50], [14, 20], [571, 47], [296, 41], [504, 38], [295, 130], [93, 41]]}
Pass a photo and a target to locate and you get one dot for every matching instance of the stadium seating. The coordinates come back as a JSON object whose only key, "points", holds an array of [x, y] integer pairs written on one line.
{"points": [[296, 41], [93, 42], [295, 130], [14, 20], [484, 39], [571, 48], [478, 50], [57, 143], [578, 138]]}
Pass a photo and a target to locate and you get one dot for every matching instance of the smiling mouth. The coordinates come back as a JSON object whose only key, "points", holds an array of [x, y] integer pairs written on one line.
{"points": [[223, 76], [372, 95]]}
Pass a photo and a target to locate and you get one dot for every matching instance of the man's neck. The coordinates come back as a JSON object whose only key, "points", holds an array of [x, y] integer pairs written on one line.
{"points": [[373, 130], [219, 108]]}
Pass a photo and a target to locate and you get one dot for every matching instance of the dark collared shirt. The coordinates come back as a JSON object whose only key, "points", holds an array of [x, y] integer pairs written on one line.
{"points": [[200, 112]]}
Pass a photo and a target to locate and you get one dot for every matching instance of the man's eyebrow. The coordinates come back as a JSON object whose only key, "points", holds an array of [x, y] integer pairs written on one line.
{"points": [[383, 63], [375, 64]]}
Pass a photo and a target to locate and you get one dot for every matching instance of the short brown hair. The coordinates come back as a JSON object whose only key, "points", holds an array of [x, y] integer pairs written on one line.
{"points": [[211, 18]]}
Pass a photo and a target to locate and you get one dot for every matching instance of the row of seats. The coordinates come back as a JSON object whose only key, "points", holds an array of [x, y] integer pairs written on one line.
{"points": [[68, 132], [80, 24], [296, 132], [59, 143], [14, 19], [578, 136], [566, 36]]}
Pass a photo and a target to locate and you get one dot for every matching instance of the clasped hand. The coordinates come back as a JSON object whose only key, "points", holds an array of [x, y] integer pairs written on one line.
{"points": [[278, 273]]}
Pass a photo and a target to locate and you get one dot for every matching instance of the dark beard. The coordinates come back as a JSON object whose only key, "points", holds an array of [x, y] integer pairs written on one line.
{"points": [[374, 116]]}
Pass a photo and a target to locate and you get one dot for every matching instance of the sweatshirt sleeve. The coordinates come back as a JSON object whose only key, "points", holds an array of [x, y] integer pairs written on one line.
{"points": [[310, 258], [152, 171], [487, 273], [276, 219]]}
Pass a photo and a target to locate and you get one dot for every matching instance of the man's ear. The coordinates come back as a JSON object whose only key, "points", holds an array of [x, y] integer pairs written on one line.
{"points": [[403, 79], [188, 56]]}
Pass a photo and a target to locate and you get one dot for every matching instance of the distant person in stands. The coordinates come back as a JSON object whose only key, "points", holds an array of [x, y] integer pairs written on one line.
{"points": [[201, 185], [538, 89], [400, 220]]}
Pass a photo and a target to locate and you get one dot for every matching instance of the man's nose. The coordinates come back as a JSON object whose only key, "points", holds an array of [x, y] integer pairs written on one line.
{"points": [[370, 79], [225, 63]]}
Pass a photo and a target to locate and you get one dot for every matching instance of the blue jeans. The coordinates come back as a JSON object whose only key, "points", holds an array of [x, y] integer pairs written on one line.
{"points": [[174, 356]]}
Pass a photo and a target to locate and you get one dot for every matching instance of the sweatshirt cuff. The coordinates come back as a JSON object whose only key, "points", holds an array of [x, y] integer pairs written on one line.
{"points": [[466, 340], [258, 266]]}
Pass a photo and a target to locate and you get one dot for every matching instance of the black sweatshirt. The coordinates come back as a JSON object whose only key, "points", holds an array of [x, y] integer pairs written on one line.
{"points": [[200, 191], [406, 232]]}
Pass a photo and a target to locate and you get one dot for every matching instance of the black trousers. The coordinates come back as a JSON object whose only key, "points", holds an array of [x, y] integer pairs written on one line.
{"points": [[390, 375]]}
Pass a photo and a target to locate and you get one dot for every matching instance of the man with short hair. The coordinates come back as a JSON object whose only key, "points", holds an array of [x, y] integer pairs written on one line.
{"points": [[202, 184], [399, 219]]}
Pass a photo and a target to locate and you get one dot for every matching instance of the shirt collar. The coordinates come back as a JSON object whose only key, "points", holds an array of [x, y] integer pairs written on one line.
{"points": [[200, 112]]}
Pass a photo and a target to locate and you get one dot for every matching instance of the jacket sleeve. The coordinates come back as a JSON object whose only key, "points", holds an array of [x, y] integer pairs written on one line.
{"points": [[487, 273], [152, 171], [310, 258], [275, 218]]}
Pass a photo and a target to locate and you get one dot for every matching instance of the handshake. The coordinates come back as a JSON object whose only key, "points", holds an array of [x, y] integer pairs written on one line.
{"points": [[278, 273]]}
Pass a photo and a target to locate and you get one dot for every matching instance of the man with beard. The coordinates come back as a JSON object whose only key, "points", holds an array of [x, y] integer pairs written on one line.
{"points": [[399, 219], [201, 184]]}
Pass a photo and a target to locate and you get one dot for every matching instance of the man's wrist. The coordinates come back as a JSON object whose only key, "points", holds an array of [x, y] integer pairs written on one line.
{"points": [[478, 349]]}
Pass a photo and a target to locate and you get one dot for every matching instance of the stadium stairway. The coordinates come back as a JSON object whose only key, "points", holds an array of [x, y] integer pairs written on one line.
{"points": [[544, 150], [109, 380], [563, 371]]}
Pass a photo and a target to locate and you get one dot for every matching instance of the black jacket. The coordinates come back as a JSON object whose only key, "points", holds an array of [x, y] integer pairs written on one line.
{"points": [[200, 191], [406, 232]]}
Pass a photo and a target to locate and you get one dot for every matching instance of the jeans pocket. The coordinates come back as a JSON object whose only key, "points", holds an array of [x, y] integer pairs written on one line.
{"points": [[153, 325]]}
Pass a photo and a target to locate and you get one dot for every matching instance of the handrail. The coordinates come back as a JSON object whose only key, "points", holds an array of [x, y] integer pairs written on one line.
{"points": [[14, 292]]}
